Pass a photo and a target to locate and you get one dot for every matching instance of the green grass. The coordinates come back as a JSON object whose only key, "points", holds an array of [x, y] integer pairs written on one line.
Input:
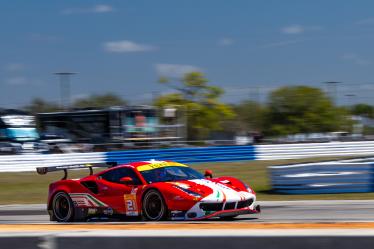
{"points": [[32, 188]]}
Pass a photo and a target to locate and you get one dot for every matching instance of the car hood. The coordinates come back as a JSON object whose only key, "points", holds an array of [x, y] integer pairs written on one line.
{"points": [[212, 190]]}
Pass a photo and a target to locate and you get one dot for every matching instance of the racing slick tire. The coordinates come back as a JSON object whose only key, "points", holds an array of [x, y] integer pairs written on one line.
{"points": [[62, 207], [154, 207]]}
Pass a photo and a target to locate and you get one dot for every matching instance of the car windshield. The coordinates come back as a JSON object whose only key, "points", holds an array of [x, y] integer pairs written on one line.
{"points": [[170, 173]]}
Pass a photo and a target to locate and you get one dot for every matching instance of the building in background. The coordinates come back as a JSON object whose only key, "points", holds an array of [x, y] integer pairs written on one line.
{"points": [[18, 133], [105, 128]]}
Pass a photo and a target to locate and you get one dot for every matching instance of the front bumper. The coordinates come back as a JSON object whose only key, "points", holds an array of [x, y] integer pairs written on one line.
{"points": [[180, 215], [226, 213]]}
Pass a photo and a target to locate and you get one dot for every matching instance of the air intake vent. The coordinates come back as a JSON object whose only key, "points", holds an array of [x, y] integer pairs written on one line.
{"points": [[91, 185], [211, 206], [230, 205], [246, 203]]}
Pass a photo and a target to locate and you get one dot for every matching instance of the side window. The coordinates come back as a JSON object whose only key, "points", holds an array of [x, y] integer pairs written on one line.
{"points": [[116, 174]]}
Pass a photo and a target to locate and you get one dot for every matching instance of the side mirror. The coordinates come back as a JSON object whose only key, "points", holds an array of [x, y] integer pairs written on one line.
{"points": [[126, 180], [208, 173]]}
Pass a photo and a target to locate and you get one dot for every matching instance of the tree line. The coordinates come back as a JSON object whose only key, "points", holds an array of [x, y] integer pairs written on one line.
{"points": [[287, 110]]}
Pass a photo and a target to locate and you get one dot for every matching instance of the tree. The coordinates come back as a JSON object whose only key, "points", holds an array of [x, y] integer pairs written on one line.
{"points": [[303, 109], [39, 105], [100, 101], [250, 116], [363, 110], [200, 101]]}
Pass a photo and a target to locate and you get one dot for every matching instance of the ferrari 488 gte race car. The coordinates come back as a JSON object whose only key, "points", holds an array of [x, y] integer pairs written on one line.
{"points": [[153, 190]]}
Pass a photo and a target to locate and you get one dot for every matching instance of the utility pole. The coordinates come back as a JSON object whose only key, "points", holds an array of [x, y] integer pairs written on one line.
{"points": [[351, 99], [64, 88], [332, 90]]}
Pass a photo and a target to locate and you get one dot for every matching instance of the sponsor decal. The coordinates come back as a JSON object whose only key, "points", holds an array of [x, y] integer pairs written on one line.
{"points": [[177, 198], [177, 215], [108, 211], [156, 165], [130, 203], [86, 200], [91, 211]]}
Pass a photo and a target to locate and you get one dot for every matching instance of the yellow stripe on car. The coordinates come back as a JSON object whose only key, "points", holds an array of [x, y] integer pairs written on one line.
{"points": [[159, 165]]}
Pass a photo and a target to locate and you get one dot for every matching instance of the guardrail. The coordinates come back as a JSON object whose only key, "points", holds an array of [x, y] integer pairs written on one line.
{"points": [[305, 150], [348, 176], [191, 155], [21, 163]]}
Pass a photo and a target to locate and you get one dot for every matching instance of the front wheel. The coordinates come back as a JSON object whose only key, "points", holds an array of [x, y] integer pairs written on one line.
{"points": [[62, 207], [154, 207]]}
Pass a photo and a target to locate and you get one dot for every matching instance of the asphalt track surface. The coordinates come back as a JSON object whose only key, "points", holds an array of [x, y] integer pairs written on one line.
{"points": [[272, 212]]}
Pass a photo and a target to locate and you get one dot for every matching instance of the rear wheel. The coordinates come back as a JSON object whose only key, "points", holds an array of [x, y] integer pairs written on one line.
{"points": [[154, 207], [62, 207]]}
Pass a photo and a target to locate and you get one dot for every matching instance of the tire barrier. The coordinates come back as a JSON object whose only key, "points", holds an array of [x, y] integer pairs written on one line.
{"points": [[19, 163], [348, 176]]}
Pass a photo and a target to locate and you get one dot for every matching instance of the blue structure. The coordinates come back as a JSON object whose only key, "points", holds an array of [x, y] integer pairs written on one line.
{"points": [[185, 155]]}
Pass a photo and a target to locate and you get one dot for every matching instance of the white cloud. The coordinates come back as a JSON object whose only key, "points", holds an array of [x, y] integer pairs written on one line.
{"points": [[281, 43], [126, 46], [22, 80], [102, 8], [297, 29], [99, 8], [367, 21], [43, 37], [79, 96], [293, 29], [16, 81], [356, 59], [225, 41], [14, 67], [365, 87], [175, 70]]}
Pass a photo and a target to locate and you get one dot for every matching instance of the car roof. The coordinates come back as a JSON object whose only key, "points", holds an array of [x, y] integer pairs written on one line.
{"points": [[147, 165]]}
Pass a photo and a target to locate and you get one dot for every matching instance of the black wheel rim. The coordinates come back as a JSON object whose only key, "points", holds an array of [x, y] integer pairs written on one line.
{"points": [[62, 207], [154, 207]]}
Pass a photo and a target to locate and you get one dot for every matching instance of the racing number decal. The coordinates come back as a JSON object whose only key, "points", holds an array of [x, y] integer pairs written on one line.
{"points": [[130, 203]]}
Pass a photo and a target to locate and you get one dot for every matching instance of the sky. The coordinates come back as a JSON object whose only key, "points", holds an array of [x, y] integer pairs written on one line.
{"points": [[247, 47]]}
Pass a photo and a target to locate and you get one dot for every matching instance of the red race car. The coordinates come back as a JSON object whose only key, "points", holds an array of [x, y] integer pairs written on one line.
{"points": [[153, 190]]}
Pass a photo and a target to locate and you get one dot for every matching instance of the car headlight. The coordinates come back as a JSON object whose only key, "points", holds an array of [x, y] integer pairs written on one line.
{"points": [[248, 188], [187, 191]]}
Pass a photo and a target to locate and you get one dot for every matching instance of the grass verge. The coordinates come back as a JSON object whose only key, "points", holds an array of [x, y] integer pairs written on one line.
{"points": [[32, 188]]}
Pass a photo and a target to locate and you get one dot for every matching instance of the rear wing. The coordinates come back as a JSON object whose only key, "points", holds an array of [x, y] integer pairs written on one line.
{"points": [[65, 168]]}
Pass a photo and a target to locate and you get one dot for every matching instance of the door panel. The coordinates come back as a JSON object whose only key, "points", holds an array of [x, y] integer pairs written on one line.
{"points": [[121, 197]]}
